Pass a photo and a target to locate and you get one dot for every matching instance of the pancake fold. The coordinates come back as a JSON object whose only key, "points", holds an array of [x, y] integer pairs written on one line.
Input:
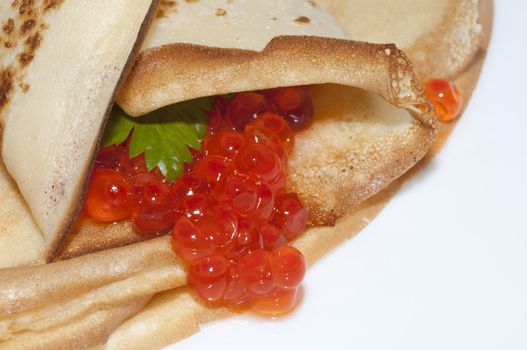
{"points": [[61, 64], [109, 288]]}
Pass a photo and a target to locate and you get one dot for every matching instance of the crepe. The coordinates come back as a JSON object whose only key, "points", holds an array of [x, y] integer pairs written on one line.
{"points": [[149, 328], [59, 70], [440, 37], [21, 242], [89, 236], [366, 154], [156, 325]]}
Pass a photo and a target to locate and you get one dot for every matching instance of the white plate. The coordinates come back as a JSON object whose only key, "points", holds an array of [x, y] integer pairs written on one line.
{"points": [[444, 266]]}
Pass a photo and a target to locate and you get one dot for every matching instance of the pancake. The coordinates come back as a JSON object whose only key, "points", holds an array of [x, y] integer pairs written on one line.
{"points": [[440, 37], [61, 63], [165, 308], [149, 328], [366, 146]]}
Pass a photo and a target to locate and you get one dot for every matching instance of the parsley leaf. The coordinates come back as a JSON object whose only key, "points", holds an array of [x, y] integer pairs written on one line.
{"points": [[163, 135], [229, 96]]}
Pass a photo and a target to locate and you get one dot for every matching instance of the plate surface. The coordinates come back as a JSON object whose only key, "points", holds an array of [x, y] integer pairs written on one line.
{"points": [[444, 266]]}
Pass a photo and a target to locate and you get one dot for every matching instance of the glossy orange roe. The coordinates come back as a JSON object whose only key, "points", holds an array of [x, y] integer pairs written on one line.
{"points": [[230, 215], [445, 97], [279, 302]]}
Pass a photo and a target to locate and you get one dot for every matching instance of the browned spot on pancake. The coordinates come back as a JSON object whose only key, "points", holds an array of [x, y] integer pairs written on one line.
{"points": [[220, 12], [191, 1], [9, 26], [6, 86], [26, 7], [302, 20], [166, 6], [31, 45], [56, 192], [25, 58], [27, 26], [24, 87], [52, 4], [24, 32], [312, 3], [160, 13], [33, 42], [168, 3]]}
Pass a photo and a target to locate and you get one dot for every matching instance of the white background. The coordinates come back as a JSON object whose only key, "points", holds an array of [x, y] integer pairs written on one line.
{"points": [[444, 266]]}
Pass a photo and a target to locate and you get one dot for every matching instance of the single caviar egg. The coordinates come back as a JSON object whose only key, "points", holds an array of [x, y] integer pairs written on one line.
{"points": [[295, 105], [278, 302], [289, 267], [155, 212], [225, 143], [291, 215], [445, 97], [278, 125], [109, 196], [207, 277], [244, 107], [256, 272]]}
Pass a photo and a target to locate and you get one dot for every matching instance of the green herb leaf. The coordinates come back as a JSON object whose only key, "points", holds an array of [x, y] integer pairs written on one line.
{"points": [[229, 96], [163, 135]]}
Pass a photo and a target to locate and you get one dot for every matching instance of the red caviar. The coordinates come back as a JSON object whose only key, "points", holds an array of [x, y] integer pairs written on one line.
{"points": [[109, 196], [294, 104], [244, 107], [445, 97], [229, 214], [278, 302], [155, 212]]}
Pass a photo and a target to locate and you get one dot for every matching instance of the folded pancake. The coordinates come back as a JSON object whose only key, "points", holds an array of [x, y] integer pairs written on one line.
{"points": [[91, 329], [21, 242], [60, 65], [96, 281], [174, 314], [367, 152], [440, 37]]}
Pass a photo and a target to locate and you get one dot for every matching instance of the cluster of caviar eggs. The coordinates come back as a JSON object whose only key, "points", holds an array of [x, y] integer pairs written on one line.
{"points": [[230, 215]]}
